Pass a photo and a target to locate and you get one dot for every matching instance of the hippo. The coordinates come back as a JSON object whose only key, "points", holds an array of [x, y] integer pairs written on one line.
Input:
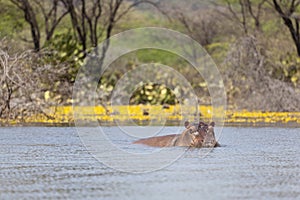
{"points": [[210, 138], [195, 135]]}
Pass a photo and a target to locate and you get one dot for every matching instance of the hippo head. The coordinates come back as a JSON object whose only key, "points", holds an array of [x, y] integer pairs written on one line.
{"points": [[195, 134]]}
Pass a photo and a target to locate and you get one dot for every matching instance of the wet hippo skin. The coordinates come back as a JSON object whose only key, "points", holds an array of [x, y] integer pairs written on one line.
{"points": [[195, 135]]}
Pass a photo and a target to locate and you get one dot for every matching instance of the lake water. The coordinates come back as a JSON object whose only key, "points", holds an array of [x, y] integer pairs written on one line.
{"points": [[52, 163]]}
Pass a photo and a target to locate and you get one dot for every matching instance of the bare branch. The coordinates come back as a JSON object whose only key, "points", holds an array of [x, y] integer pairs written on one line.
{"points": [[286, 17]]}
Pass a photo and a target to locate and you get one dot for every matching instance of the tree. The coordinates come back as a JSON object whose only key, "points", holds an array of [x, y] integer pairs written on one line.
{"points": [[245, 12], [202, 26], [286, 10], [52, 15], [91, 20], [89, 17], [30, 17]]}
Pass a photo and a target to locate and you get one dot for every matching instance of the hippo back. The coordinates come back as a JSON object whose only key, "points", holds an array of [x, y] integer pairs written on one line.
{"points": [[159, 141]]}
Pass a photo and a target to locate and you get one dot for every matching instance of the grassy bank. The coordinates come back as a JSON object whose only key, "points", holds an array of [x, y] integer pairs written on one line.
{"points": [[155, 115]]}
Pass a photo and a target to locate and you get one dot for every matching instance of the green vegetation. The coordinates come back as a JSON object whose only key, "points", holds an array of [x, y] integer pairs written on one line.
{"points": [[251, 41], [12, 21]]}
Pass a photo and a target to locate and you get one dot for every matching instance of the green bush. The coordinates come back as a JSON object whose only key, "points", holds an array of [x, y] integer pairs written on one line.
{"points": [[64, 48]]}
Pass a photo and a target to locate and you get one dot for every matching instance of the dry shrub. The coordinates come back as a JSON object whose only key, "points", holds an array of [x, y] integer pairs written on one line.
{"points": [[28, 85], [250, 84]]}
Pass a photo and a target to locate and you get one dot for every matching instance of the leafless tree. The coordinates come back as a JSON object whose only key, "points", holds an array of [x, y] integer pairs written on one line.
{"points": [[201, 25], [255, 11], [286, 10], [31, 18], [244, 13], [52, 13], [96, 19]]}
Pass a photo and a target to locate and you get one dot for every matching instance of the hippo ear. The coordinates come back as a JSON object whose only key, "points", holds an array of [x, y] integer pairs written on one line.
{"points": [[186, 124]]}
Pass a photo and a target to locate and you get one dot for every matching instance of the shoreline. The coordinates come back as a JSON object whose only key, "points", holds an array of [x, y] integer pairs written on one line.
{"points": [[112, 124], [65, 116]]}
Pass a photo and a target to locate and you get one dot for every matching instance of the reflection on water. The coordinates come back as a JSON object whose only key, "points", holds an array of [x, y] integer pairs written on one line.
{"points": [[52, 163]]}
